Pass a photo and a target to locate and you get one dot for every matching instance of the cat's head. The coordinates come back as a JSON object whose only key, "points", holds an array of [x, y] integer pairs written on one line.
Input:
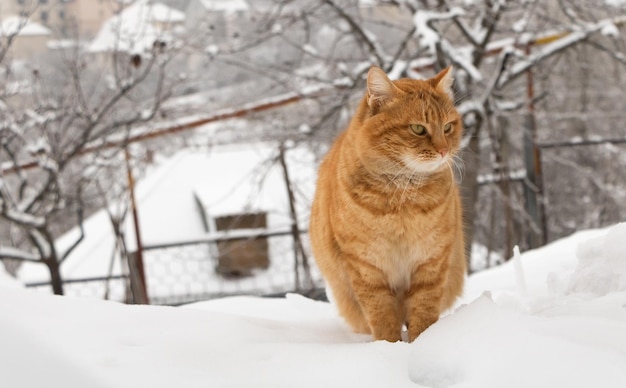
{"points": [[412, 125]]}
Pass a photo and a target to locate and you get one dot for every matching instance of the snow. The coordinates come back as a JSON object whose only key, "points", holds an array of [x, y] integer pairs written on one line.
{"points": [[601, 268], [22, 27], [212, 50], [568, 330], [25, 218], [277, 29], [136, 28], [227, 180], [309, 49], [564, 40], [15, 253], [7, 280], [422, 19], [610, 30], [163, 14], [462, 58], [226, 6], [368, 3], [490, 344], [427, 36]]}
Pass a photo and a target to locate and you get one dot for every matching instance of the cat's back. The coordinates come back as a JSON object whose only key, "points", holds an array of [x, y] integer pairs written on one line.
{"points": [[327, 179]]}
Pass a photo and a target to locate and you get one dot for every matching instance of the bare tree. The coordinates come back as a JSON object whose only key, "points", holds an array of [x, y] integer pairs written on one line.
{"points": [[50, 120], [503, 53]]}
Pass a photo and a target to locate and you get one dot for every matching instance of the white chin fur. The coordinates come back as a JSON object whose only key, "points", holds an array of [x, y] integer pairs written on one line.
{"points": [[423, 166]]}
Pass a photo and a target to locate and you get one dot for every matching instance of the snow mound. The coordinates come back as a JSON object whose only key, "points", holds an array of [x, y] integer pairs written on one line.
{"points": [[7, 280], [575, 318], [601, 264], [553, 351]]}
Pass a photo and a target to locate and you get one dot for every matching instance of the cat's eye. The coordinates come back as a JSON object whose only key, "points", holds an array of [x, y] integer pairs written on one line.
{"points": [[447, 128], [418, 129]]}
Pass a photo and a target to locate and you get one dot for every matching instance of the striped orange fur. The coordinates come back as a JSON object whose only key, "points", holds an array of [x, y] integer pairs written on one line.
{"points": [[386, 225]]}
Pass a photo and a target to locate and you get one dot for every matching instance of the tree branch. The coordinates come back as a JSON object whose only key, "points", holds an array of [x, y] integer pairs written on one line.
{"points": [[373, 49], [18, 254], [568, 40]]}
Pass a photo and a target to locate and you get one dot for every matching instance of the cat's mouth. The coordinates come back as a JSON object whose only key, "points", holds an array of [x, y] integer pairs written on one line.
{"points": [[425, 165]]}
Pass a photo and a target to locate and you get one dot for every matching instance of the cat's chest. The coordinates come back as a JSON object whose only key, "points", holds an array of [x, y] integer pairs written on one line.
{"points": [[399, 248], [399, 261], [396, 241]]}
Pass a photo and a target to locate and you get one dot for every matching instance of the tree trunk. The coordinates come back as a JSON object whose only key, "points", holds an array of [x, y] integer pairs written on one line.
{"points": [[55, 275], [469, 187], [299, 248]]}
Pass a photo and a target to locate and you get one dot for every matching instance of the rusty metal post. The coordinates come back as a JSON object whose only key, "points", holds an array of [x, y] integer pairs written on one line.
{"points": [[300, 255], [140, 290], [533, 187]]}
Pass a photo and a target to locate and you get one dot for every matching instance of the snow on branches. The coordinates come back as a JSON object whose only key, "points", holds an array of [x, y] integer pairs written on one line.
{"points": [[427, 35]]}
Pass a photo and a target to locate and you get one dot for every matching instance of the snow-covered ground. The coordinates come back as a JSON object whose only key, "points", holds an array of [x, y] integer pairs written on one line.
{"points": [[554, 317]]}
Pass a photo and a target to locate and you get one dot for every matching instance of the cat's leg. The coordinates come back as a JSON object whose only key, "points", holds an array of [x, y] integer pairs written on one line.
{"points": [[456, 277], [423, 298], [380, 305], [348, 306]]}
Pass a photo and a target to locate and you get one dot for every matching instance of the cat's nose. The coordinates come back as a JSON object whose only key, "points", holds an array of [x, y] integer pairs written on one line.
{"points": [[443, 152]]}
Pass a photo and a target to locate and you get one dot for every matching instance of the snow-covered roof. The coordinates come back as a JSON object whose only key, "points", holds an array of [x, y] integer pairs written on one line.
{"points": [[134, 29], [368, 3], [615, 3], [163, 14], [226, 6], [22, 27]]}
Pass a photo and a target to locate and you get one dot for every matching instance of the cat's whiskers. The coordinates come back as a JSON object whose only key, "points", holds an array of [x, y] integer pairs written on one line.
{"points": [[456, 164], [408, 182], [401, 170], [415, 179], [397, 178], [402, 174]]}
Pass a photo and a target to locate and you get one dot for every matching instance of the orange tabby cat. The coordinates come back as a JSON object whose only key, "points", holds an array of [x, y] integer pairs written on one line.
{"points": [[386, 228]]}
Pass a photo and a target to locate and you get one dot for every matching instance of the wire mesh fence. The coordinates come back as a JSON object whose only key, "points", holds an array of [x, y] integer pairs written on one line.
{"points": [[109, 287], [195, 271]]}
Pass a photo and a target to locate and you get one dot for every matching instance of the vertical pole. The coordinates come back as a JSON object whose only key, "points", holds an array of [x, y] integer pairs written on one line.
{"points": [[533, 188], [298, 247], [141, 289]]}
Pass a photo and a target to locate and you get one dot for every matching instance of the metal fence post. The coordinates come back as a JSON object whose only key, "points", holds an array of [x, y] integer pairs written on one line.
{"points": [[136, 268], [533, 185]]}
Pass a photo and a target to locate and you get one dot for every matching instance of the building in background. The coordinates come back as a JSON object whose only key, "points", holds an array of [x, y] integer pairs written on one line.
{"points": [[28, 38], [82, 19], [137, 28], [49, 13], [54, 21]]}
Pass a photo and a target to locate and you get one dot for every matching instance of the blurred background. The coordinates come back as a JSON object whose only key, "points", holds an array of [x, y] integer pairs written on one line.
{"points": [[166, 151]]}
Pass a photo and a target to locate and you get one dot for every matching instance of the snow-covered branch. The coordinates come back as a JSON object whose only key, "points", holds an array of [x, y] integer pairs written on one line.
{"points": [[423, 20], [568, 39], [461, 59], [42, 243], [22, 218], [17, 254]]}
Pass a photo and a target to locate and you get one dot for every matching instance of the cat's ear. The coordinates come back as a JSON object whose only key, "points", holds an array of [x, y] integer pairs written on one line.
{"points": [[443, 81], [380, 89]]}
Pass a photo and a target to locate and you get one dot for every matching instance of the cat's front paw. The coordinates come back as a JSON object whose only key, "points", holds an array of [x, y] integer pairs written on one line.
{"points": [[417, 328], [387, 334]]}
